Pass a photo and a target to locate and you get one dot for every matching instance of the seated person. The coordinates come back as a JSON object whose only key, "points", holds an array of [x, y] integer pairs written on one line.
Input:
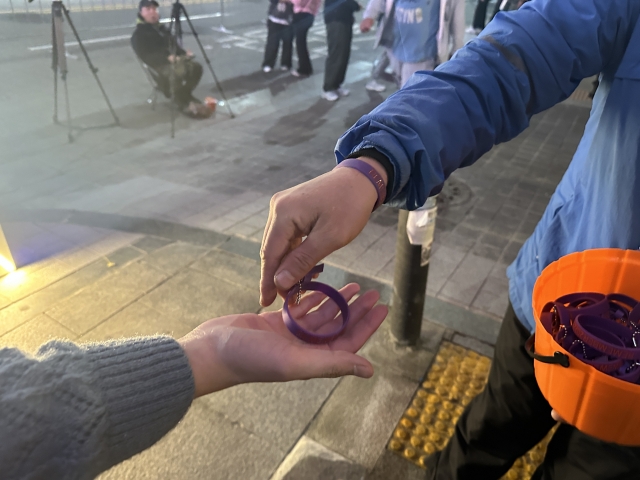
{"points": [[154, 44]]}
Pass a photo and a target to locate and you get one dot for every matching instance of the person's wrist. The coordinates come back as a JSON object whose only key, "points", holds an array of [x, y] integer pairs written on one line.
{"points": [[360, 183], [209, 374]]}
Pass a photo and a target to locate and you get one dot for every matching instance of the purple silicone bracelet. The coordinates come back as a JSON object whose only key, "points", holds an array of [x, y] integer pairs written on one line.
{"points": [[369, 172], [332, 293]]}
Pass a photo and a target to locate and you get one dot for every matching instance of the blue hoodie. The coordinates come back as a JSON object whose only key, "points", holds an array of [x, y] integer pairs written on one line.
{"points": [[525, 62]]}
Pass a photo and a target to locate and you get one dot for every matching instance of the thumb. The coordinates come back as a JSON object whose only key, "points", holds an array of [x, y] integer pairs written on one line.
{"points": [[318, 363], [299, 261]]}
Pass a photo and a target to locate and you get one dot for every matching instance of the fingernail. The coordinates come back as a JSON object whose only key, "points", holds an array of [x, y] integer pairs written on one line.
{"points": [[284, 279], [363, 371]]}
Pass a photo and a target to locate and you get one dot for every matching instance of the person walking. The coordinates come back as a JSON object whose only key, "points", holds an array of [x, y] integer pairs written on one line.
{"points": [[523, 63], [415, 42], [304, 12], [338, 19], [451, 32], [279, 18], [380, 11]]}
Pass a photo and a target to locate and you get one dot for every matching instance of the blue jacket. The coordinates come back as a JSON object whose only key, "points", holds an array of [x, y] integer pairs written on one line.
{"points": [[524, 62]]}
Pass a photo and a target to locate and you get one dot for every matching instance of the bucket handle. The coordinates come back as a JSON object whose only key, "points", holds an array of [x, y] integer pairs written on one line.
{"points": [[558, 358]]}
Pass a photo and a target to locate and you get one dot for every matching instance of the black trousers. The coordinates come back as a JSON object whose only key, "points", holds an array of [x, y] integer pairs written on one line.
{"points": [[339, 45], [510, 416], [187, 76], [302, 22], [277, 33], [480, 14]]}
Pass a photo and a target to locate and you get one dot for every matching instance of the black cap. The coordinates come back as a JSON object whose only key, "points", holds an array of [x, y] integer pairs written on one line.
{"points": [[147, 3]]}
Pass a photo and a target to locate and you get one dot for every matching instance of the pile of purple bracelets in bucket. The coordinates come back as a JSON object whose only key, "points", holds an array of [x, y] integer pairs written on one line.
{"points": [[600, 330]]}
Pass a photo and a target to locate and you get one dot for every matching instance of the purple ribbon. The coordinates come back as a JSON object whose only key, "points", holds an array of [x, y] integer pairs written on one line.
{"points": [[305, 284]]}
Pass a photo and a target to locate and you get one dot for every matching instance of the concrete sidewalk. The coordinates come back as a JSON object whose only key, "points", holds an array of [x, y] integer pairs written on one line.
{"points": [[127, 231]]}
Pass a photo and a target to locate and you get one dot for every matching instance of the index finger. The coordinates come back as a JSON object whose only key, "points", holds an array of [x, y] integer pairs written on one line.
{"points": [[276, 243]]}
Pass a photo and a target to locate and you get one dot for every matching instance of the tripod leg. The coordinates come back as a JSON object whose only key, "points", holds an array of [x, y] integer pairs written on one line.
{"points": [[93, 69], [55, 95], [66, 99], [206, 58]]}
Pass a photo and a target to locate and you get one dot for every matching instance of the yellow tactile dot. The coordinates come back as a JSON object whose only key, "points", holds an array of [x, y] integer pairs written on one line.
{"points": [[444, 415], [442, 391], [406, 423], [409, 452], [429, 448], [435, 437], [420, 430], [428, 385], [423, 461], [426, 419], [513, 475], [459, 409], [447, 405], [440, 426], [422, 394], [412, 412], [395, 445], [417, 403], [433, 399], [401, 434], [415, 441], [430, 409]]}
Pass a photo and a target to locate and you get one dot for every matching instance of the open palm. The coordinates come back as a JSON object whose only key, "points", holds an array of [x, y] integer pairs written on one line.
{"points": [[259, 347]]}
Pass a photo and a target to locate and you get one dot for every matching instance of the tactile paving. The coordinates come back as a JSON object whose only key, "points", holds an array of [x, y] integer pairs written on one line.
{"points": [[455, 377]]}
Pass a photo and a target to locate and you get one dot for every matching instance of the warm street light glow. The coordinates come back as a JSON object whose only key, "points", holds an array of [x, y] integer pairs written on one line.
{"points": [[7, 264]]}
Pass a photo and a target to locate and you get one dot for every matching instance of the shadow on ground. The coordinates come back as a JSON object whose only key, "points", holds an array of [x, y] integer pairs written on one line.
{"points": [[298, 127]]}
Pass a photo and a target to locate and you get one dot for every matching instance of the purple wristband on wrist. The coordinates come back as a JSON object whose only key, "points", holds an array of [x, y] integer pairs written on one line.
{"points": [[372, 175]]}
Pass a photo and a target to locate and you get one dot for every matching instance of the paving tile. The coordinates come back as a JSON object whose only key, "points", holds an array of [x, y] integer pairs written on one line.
{"points": [[203, 445], [466, 281], [242, 230], [261, 408], [174, 257], [391, 466], [461, 320], [231, 268], [193, 297], [408, 362], [20, 284], [442, 264], [150, 244], [136, 320], [359, 417], [100, 300], [473, 344], [30, 335], [243, 247], [311, 461]]}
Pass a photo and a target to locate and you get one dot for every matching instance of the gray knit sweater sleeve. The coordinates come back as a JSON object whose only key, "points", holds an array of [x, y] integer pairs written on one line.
{"points": [[72, 411]]}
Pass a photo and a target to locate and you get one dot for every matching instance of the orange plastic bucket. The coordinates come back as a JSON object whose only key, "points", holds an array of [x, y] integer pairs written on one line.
{"points": [[594, 402]]}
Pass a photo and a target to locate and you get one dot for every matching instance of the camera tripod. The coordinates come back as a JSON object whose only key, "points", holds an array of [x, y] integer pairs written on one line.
{"points": [[59, 64], [177, 10]]}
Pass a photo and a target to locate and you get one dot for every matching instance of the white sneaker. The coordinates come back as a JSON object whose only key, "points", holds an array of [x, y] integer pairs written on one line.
{"points": [[332, 96], [295, 73], [374, 86], [470, 29], [266, 69], [284, 68], [343, 92]]}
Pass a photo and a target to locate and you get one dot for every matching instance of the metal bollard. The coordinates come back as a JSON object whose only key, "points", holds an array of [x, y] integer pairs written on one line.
{"points": [[410, 277]]}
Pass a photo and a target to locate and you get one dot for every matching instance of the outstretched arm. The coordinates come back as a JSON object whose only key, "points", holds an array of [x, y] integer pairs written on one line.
{"points": [[525, 61]]}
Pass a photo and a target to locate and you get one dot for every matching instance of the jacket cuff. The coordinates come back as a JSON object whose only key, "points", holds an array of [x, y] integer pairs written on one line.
{"points": [[147, 387]]}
